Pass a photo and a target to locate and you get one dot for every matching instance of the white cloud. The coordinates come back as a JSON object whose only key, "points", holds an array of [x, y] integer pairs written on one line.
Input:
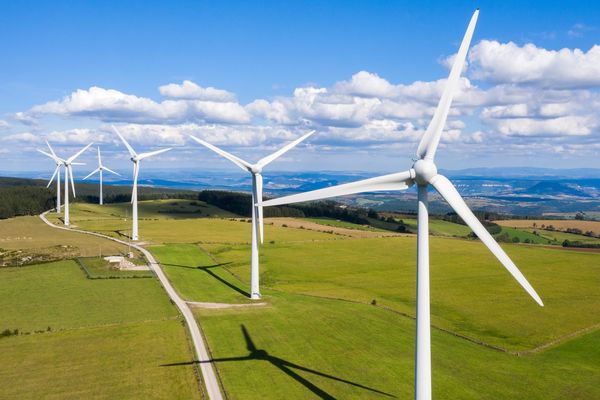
{"points": [[510, 63], [25, 118], [569, 126], [23, 137], [80, 136], [366, 84], [115, 106], [190, 90]]}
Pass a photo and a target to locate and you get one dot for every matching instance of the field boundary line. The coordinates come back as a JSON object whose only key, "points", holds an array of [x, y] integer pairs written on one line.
{"points": [[211, 382]]}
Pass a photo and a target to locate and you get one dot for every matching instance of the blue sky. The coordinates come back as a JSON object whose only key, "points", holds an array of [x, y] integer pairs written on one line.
{"points": [[261, 59]]}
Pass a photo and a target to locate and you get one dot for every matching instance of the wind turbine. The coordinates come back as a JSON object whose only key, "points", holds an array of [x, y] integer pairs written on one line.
{"points": [[136, 158], [68, 163], [99, 170], [59, 163], [257, 193], [424, 173]]}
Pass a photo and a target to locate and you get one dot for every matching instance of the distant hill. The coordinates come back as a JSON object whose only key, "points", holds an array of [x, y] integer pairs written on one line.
{"points": [[556, 188], [22, 196]]}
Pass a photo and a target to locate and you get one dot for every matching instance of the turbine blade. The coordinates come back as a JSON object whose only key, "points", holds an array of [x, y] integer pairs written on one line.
{"points": [[78, 163], [266, 160], [48, 155], [72, 183], [99, 158], [431, 138], [111, 171], [73, 157], [152, 153], [51, 150], [397, 181], [236, 160], [92, 173], [451, 195], [53, 176], [132, 152], [259, 197]]}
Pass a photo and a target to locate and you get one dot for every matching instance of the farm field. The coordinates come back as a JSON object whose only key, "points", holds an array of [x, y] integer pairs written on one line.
{"points": [[558, 224], [342, 224], [29, 237], [303, 348], [338, 319], [83, 338], [541, 236], [441, 228], [164, 229]]}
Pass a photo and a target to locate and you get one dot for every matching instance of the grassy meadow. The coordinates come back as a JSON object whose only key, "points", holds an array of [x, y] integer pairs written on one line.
{"points": [[85, 338], [339, 315]]}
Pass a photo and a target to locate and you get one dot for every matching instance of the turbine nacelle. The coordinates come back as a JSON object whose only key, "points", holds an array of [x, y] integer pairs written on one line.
{"points": [[424, 170]]}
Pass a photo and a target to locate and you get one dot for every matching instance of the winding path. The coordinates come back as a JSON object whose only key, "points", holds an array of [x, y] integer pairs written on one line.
{"points": [[208, 373]]}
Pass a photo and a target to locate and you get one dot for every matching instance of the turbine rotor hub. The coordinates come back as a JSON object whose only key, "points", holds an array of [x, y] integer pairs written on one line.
{"points": [[256, 169], [424, 171]]}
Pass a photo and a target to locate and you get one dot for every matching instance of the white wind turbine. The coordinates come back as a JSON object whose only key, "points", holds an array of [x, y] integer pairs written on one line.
{"points": [[59, 163], [99, 170], [424, 173], [136, 159], [68, 163], [257, 194]]}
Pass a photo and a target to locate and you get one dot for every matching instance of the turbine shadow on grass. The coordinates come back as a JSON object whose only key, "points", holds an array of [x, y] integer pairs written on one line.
{"points": [[285, 366], [207, 269]]}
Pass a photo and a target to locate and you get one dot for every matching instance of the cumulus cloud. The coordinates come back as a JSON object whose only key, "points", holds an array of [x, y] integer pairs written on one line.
{"points": [[511, 96], [25, 118], [190, 90], [567, 126], [113, 105], [510, 63], [23, 137], [80, 136]]}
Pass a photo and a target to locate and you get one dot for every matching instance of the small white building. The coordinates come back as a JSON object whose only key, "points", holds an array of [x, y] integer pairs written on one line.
{"points": [[115, 261]]}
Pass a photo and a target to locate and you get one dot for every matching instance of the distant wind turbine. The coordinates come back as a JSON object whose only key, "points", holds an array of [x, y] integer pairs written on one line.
{"points": [[257, 194], [59, 163], [424, 173], [100, 168], [68, 164], [136, 158]]}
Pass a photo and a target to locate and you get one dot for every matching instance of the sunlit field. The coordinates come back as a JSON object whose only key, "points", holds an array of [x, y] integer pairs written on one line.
{"points": [[337, 319], [66, 336]]}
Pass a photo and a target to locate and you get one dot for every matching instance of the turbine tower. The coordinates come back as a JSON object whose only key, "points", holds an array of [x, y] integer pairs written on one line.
{"points": [[424, 173], [136, 158], [99, 170], [59, 163], [257, 193]]}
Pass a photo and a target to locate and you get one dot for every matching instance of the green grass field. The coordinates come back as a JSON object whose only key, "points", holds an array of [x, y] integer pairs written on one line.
{"points": [[82, 338], [31, 237], [315, 348], [440, 227], [472, 294], [163, 229], [197, 276], [343, 224], [318, 336], [525, 235]]}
